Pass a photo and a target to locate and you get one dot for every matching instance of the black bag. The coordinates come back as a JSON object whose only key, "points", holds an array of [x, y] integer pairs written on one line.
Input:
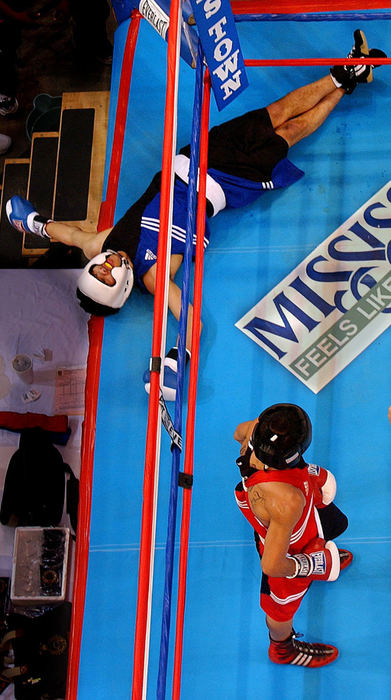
{"points": [[40, 646], [34, 488]]}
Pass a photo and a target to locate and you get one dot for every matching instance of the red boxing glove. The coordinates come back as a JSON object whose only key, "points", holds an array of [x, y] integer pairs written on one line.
{"points": [[324, 485], [319, 560]]}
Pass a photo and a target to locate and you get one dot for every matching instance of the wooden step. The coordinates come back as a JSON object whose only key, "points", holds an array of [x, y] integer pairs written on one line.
{"points": [[81, 158], [63, 179], [15, 180], [40, 190]]}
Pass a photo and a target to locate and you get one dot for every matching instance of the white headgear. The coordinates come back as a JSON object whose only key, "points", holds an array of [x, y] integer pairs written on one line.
{"points": [[102, 293]]}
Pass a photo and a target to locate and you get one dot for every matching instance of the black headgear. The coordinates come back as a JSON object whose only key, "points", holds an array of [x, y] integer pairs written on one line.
{"points": [[281, 436]]}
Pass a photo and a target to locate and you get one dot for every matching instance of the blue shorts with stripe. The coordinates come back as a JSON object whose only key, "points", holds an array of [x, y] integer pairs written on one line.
{"points": [[147, 248]]}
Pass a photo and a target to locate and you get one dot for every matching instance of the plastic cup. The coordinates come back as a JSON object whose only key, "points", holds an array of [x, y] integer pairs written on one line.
{"points": [[23, 366]]}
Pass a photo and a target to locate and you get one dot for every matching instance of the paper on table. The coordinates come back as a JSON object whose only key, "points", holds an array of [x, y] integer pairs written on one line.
{"points": [[69, 392]]}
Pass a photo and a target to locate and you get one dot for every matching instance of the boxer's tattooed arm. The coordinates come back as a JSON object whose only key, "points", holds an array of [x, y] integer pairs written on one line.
{"points": [[256, 497]]}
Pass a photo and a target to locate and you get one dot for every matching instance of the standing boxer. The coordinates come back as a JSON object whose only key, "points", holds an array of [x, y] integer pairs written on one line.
{"points": [[289, 504]]}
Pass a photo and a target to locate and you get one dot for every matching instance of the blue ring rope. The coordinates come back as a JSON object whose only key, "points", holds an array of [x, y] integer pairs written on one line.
{"points": [[187, 259]]}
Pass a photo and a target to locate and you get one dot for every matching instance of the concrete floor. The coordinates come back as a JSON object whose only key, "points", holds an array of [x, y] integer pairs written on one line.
{"points": [[47, 64]]}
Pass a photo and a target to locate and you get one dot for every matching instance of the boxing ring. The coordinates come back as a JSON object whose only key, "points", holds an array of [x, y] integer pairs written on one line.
{"points": [[225, 642]]}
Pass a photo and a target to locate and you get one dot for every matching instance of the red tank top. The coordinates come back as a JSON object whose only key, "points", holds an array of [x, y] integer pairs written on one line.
{"points": [[306, 527]]}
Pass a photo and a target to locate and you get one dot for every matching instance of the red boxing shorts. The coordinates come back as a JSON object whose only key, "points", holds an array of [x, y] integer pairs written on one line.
{"points": [[281, 597]]}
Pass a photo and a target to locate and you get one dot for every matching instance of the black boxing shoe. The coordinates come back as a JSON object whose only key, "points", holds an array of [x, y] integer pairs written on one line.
{"points": [[364, 73], [344, 77], [347, 77]]}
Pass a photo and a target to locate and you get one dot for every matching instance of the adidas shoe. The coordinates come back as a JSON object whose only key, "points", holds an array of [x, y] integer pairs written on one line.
{"points": [[344, 77], [22, 216], [291, 651], [347, 77], [364, 73], [8, 105], [360, 46]]}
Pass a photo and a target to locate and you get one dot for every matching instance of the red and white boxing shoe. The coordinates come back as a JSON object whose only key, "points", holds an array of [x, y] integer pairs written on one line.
{"points": [[297, 653]]}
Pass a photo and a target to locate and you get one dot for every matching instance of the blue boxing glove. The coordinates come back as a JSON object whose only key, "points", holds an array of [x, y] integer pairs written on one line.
{"points": [[170, 374], [22, 216]]}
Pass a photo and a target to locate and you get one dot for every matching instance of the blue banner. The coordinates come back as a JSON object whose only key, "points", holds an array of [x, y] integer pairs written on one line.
{"points": [[220, 44], [216, 30]]}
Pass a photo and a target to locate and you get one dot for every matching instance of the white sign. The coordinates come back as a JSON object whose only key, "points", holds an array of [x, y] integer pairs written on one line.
{"points": [[155, 15], [335, 303]]}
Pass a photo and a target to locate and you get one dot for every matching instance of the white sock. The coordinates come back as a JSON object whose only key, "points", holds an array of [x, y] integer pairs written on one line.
{"points": [[37, 224]]}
